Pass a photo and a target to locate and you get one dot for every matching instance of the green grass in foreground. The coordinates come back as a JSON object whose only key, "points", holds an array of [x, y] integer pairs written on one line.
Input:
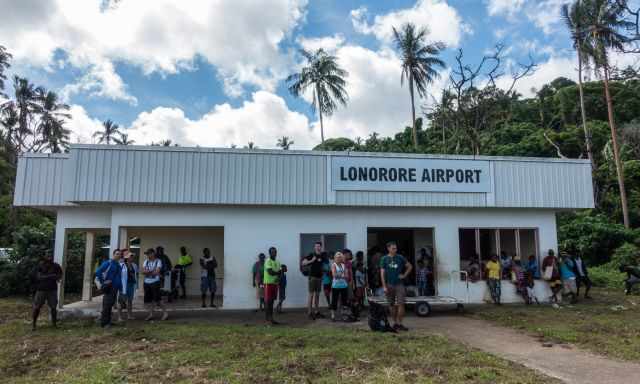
{"points": [[608, 325], [201, 352]]}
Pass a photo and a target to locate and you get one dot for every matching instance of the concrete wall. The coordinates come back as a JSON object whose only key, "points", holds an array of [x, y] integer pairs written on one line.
{"points": [[250, 230], [194, 239]]}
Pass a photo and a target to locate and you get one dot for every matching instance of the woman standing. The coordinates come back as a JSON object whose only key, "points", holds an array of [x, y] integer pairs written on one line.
{"points": [[340, 283], [151, 269], [129, 284]]}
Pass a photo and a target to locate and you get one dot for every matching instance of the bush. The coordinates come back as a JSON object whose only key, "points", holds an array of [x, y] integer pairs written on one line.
{"points": [[594, 237], [626, 254], [607, 276]]}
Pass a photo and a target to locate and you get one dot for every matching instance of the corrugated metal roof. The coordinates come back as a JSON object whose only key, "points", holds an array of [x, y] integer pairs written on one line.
{"points": [[39, 180], [179, 175]]}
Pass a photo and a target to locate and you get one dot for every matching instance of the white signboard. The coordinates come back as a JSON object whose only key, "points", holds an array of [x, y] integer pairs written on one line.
{"points": [[405, 174]]}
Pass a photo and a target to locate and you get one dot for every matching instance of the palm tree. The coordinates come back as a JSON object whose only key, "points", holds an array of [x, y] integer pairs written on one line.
{"points": [[50, 127], [573, 17], [419, 62], [25, 107], [124, 140], [285, 142], [603, 22], [109, 133], [327, 79], [4, 65], [250, 145]]}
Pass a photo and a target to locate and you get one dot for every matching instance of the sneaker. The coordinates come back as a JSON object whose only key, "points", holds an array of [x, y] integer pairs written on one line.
{"points": [[395, 327], [319, 315], [312, 316], [149, 318], [165, 316], [401, 327]]}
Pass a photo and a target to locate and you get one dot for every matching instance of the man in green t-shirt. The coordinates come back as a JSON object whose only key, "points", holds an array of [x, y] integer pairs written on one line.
{"points": [[271, 280], [394, 269]]}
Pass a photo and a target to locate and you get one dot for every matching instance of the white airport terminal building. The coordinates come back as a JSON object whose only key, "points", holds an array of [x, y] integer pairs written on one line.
{"points": [[239, 203]]}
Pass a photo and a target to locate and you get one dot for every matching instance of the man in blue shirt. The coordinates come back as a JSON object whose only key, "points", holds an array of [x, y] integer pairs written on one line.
{"points": [[110, 278], [394, 269]]}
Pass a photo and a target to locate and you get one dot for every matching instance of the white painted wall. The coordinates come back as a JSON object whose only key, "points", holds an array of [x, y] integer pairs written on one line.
{"points": [[251, 230]]}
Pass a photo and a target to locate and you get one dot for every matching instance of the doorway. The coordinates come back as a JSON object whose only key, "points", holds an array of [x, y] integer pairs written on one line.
{"points": [[414, 244]]}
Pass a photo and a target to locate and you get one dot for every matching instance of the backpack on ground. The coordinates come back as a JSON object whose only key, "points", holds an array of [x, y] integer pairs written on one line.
{"points": [[378, 321]]}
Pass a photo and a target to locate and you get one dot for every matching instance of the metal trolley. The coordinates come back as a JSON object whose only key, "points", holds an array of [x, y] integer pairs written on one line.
{"points": [[422, 304]]}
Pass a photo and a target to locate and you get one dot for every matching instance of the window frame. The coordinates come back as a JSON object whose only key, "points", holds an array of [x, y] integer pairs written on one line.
{"points": [[322, 240], [498, 244]]}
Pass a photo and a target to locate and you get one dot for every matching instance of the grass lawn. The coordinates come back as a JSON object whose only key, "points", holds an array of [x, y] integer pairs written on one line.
{"points": [[608, 325], [200, 351]]}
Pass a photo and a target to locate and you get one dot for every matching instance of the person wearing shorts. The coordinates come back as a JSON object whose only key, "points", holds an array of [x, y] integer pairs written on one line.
{"points": [[46, 276], [568, 278], [394, 268], [272, 272], [314, 262], [152, 269], [208, 265]]}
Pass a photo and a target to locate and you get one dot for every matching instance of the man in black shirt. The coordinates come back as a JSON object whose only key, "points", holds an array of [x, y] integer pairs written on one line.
{"points": [[313, 263], [46, 277]]}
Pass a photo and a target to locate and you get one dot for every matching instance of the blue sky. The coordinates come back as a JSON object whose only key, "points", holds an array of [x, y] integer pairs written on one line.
{"points": [[213, 75]]}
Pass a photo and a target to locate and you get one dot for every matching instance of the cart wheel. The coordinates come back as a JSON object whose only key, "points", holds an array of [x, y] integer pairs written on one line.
{"points": [[423, 309], [460, 308]]}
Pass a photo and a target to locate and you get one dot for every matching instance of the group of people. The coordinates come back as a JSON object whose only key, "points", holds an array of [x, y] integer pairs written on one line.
{"points": [[341, 278], [118, 277], [565, 276]]}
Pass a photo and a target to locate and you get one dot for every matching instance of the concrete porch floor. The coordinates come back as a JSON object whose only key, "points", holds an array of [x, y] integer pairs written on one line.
{"points": [[92, 308]]}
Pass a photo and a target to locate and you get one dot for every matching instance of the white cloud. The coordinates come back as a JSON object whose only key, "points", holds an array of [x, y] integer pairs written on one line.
{"points": [[240, 38], [442, 20], [101, 80], [504, 7], [82, 126], [329, 43], [262, 120]]}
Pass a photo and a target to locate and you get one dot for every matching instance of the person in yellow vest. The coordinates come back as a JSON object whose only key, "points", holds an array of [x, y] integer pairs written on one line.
{"points": [[184, 261], [272, 273]]}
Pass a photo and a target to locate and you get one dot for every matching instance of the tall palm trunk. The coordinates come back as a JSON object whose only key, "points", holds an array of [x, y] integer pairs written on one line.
{"points": [[414, 131], [616, 155], [320, 115], [587, 134]]}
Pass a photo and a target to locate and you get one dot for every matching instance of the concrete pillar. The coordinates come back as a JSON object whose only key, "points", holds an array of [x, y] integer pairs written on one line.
{"points": [[87, 280], [123, 238], [59, 254]]}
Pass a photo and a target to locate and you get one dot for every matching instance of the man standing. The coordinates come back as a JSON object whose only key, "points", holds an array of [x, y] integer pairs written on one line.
{"points": [[493, 278], [46, 276], [208, 264], [258, 284], [582, 276], [314, 262], [394, 269], [184, 261], [271, 280], [109, 275]]}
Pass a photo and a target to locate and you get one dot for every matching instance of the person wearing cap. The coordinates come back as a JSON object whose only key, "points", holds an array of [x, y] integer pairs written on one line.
{"points": [[129, 276], [110, 280], [151, 269]]}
